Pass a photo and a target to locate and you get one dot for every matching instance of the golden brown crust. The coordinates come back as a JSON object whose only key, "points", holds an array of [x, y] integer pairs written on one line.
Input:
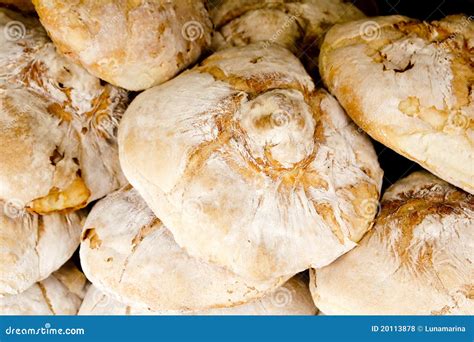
{"points": [[243, 143], [298, 25], [135, 44], [58, 124], [415, 261], [58, 151], [409, 85]]}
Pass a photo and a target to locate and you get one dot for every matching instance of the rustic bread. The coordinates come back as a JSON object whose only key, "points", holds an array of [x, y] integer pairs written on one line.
{"points": [[60, 294], [33, 246], [417, 260], [127, 252], [250, 167], [292, 298], [409, 85], [297, 25], [131, 44], [57, 122], [71, 277]]}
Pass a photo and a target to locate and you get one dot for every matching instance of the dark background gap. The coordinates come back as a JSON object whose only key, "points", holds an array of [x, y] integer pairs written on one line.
{"points": [[420, 9]]}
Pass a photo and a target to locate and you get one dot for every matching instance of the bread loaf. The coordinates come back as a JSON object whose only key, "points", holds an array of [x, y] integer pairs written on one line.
{"points": [[297, 25], [250, 167], [292, 298], [33, 246], [60, 294], [126, 251], [408, 84], [58, 151], [58, 148], [417, 260], [131, 44]]}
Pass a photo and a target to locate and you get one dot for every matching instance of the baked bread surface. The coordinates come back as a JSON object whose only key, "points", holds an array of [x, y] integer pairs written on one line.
{"points": [[250, 167], [60, 294], [297, 25], [127, 252], [417, 260], [409, 85], [58, 125], [136, 44], [292, 298]]}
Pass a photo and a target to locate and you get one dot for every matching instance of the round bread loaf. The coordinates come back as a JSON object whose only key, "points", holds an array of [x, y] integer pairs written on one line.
{"points": [[57, 124], [126, 251], [417, 260], [131, 44], [250, 167], [409, 85], [60, 294], [297, 25], [292, 298], [33, 246]]}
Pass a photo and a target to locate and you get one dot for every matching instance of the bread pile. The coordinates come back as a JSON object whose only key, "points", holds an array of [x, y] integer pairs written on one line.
{"points": [[415, 260], [231, 176]]}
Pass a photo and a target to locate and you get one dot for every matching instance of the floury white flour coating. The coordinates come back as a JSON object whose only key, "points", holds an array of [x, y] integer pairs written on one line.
{"points": [[408, 84], [135, 44], [416, 260], [58, 151], [292, 298], [249, 166]]}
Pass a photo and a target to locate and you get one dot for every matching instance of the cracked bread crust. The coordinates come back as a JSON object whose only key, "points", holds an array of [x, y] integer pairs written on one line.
{"points": [[292, 298], [297, 25], [33, 246], [409, 85], [60, 294], [57, 125], [135, 44], [417, 260], [249, 166], [127, 252]]}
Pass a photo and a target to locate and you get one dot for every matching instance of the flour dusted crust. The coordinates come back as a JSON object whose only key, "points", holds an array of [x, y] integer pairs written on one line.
{"points": [[33, 246], [58, 151], [417, 260], [249, 166], [292, 298], [134, 44], [126, 251], [60, 294], [297, 25], [410, 86], [71, 277], [57, 124]]}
